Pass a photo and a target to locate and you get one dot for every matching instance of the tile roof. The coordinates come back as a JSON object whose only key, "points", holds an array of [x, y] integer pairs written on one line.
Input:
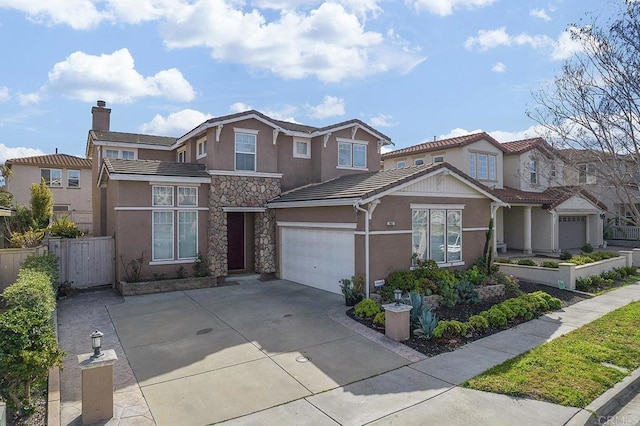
{"points": [[133, 138], [364, 185], [443, 144], [549, 199], [53, 160], [524, 145], [155, 168]]}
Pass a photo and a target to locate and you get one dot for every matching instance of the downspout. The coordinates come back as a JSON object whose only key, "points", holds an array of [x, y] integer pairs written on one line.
{"points": [[366, 245], [554, 220]]}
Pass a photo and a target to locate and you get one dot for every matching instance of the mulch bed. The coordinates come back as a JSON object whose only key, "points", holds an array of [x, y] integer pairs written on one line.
{"points": [[462, 313]]}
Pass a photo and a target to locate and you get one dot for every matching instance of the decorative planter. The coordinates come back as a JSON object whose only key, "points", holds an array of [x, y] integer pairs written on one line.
{"points": [[432, 301], [162, 286]]}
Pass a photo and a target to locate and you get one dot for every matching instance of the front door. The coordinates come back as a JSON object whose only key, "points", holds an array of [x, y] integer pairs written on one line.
{"points": [[235, 241]]}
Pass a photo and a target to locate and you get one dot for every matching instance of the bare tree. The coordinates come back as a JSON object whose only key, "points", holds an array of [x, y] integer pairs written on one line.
{"points": [[592, 109]]}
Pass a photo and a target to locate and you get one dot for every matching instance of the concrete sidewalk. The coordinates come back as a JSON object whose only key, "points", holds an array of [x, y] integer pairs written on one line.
{"points": [[385, 383]]}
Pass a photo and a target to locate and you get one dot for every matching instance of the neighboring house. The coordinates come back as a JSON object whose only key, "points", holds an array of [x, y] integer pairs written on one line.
{"points": [[527, 175], [68, 177], [167, 199]]}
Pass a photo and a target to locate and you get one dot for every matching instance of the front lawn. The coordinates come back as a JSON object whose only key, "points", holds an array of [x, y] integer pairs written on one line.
{"points": [[574, 369]]}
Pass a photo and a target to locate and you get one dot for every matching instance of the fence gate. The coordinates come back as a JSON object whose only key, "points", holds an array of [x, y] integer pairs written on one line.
{"points": [[85, 262]]}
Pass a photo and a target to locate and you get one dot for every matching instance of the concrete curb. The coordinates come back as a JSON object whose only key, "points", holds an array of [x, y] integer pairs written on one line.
{"points": [[53, 385], [606, 405]]}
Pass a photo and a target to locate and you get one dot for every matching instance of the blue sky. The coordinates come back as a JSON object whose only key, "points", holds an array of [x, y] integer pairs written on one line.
{"points": [[414, 69]]}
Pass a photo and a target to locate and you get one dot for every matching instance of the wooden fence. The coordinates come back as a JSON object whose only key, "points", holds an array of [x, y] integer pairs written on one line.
{"points": [[85, 262], [82, 219], [10, 262]]}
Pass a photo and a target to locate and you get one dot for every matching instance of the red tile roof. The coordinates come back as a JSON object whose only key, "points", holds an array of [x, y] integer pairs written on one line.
{"points": [[442, 144], [549, 199], [53, 160]]}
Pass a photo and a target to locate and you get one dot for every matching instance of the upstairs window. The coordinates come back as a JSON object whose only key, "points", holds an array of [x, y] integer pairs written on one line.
{"points": [[246, 152], [73, 178], [162, 196], [401, 164], [182, 156], [128, 155], [483, 166], [187, 196], [352, 154], [587, 174], [112, 154], [201, 147], [301, 149], [438, 159], [418, 162], [472, 164], [554, 170], [124, 154], [52, 177], [533, 172]]}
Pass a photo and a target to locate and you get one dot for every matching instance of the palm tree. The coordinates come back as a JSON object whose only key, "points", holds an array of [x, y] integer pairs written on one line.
{"points": [[6, 173]]}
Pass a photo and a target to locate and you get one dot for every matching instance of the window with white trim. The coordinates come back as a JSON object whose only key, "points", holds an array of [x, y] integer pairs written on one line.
{"points": [[73, 178], [128, 155], [401, 164], [472, 164], [301, 148], [587, 173], [483, 166], [554, 170], [52, 177], [112, 154], [187, 196], [174, 229], [533, 172], [187, 234], [246, 152], [201, 147], [123, 154], [352, 154], [162, 196], [418, 162], [437, 234], [182, 156], [438, 159], [162, 235]]}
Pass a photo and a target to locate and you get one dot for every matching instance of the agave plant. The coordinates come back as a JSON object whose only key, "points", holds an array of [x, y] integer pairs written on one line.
{"points": [[417, 306], [428, 321]]}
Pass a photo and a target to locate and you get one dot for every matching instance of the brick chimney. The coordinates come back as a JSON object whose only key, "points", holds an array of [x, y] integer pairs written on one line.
{"points": [[101, 117]]}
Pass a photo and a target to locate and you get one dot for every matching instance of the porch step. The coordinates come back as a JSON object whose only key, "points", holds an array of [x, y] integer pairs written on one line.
{"points": [[242, 277]]}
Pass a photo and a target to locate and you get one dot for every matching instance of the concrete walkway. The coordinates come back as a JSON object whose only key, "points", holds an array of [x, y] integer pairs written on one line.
{"points": [[281, 353]]}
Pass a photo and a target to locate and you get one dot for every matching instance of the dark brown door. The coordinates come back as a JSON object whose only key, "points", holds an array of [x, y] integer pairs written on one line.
{"points": [[235, 241]]}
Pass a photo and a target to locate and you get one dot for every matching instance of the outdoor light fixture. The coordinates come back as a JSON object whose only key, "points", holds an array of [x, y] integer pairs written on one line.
{"points": [[397, 294], [96, 343], [602, 215]]}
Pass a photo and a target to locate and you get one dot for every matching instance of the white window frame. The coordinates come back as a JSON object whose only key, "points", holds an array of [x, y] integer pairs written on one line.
{"points": [[153, 233], [181, 156], [51, 179], [177, 219], [533, 172], [588, 176], [401, 164], [447, 209], [201, 147], [244, 132], [119, 154], [190, 188], [491, 163], [153, 195], [493, 172], [352, 143], [472, 164], [133, 154], [108, 153], [296, 153], [437, 159], [69, 178], [418, 162], [554, 170]]}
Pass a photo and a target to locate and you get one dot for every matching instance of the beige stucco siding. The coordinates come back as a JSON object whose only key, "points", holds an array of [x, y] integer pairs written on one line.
{"points": [[295, 171], [328, 167]]}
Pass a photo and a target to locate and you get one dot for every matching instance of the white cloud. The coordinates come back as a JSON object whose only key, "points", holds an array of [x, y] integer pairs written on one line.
{"points": [[7, 152], [540, 13], [499, 135], [113, 77], [489, 39], [331, 106], [4, 94], [499, 67], [382, 120], [328, 43], [176, 123], [25, 99], [446, 7], [285, 113], [567, 45], [78, 14], [239, 107]]}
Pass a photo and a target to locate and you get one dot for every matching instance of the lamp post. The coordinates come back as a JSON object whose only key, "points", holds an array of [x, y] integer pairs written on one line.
{"points": [[96, 343], [397, 295], [97, 381]]}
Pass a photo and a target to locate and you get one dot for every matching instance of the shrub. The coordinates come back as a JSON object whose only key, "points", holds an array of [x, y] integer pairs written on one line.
{"points": [[405, 281], [508, 312], [503, 260], [64, 228], [27, 239], [467, 292], [474, 275], [32, 291], [511, 285], [368, 308], [565, 255], [450, 329], [550, 264], [583, 284], [580, 260], [379, 319], [428, 322], [201, 266], [527, 262], [449, 295], [587, 248], [478, 323], [47, 263], [495, 316]]}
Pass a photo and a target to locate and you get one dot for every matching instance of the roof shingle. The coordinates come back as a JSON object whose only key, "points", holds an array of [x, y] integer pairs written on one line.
{"points": [[443, 144], [155, 168], [549, 199], [53, 160], [133, 138]]}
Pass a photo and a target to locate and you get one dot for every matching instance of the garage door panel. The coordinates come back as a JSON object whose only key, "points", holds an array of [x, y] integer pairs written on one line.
{"points": [[317, 257], [572, 232]]}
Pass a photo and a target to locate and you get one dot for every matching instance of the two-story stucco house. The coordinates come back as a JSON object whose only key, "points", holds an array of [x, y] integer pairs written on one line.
{"points": [[543, 214], [68, 177], [308, 204]]}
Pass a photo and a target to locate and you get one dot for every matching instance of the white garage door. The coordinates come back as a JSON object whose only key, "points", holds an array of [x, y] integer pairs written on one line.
{"points": [[317, 257], [573, 231]]}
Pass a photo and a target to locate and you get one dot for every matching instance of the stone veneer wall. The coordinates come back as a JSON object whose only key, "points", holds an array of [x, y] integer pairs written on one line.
{"points": [[242, 191]]}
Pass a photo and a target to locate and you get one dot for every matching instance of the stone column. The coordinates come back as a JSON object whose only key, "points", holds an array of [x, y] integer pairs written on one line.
{"points": [[97, 386], [527, 230], [396, 319]]}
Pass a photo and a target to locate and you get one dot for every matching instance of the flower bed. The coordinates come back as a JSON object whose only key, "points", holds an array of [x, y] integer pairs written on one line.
{"points": [[162, 286]]}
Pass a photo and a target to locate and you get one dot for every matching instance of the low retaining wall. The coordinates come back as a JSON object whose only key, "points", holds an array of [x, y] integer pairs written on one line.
{"points": [[484, 292], [163, 286], [567, 272]]}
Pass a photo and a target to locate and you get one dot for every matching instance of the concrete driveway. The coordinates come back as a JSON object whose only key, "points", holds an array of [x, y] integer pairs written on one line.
{"points": [[210, 355]]}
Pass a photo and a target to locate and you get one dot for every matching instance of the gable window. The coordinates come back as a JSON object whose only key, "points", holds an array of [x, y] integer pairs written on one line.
{"points": [[533, 170], [472, 164], [587, 173], [352, 154], [112, 154], [401, 164], [418, 162], [201, 147], [492, 167], [554, 171], [124, 154], [438, 159], [162, 235], [246, 152], [73, 178], [483, 166], [162, 196], [437, 234], [301, 149], [182, 156], [187, 196], [52, 177]]}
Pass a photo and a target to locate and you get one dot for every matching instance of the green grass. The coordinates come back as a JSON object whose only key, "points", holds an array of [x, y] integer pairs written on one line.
{"points": [[569, 370]]}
